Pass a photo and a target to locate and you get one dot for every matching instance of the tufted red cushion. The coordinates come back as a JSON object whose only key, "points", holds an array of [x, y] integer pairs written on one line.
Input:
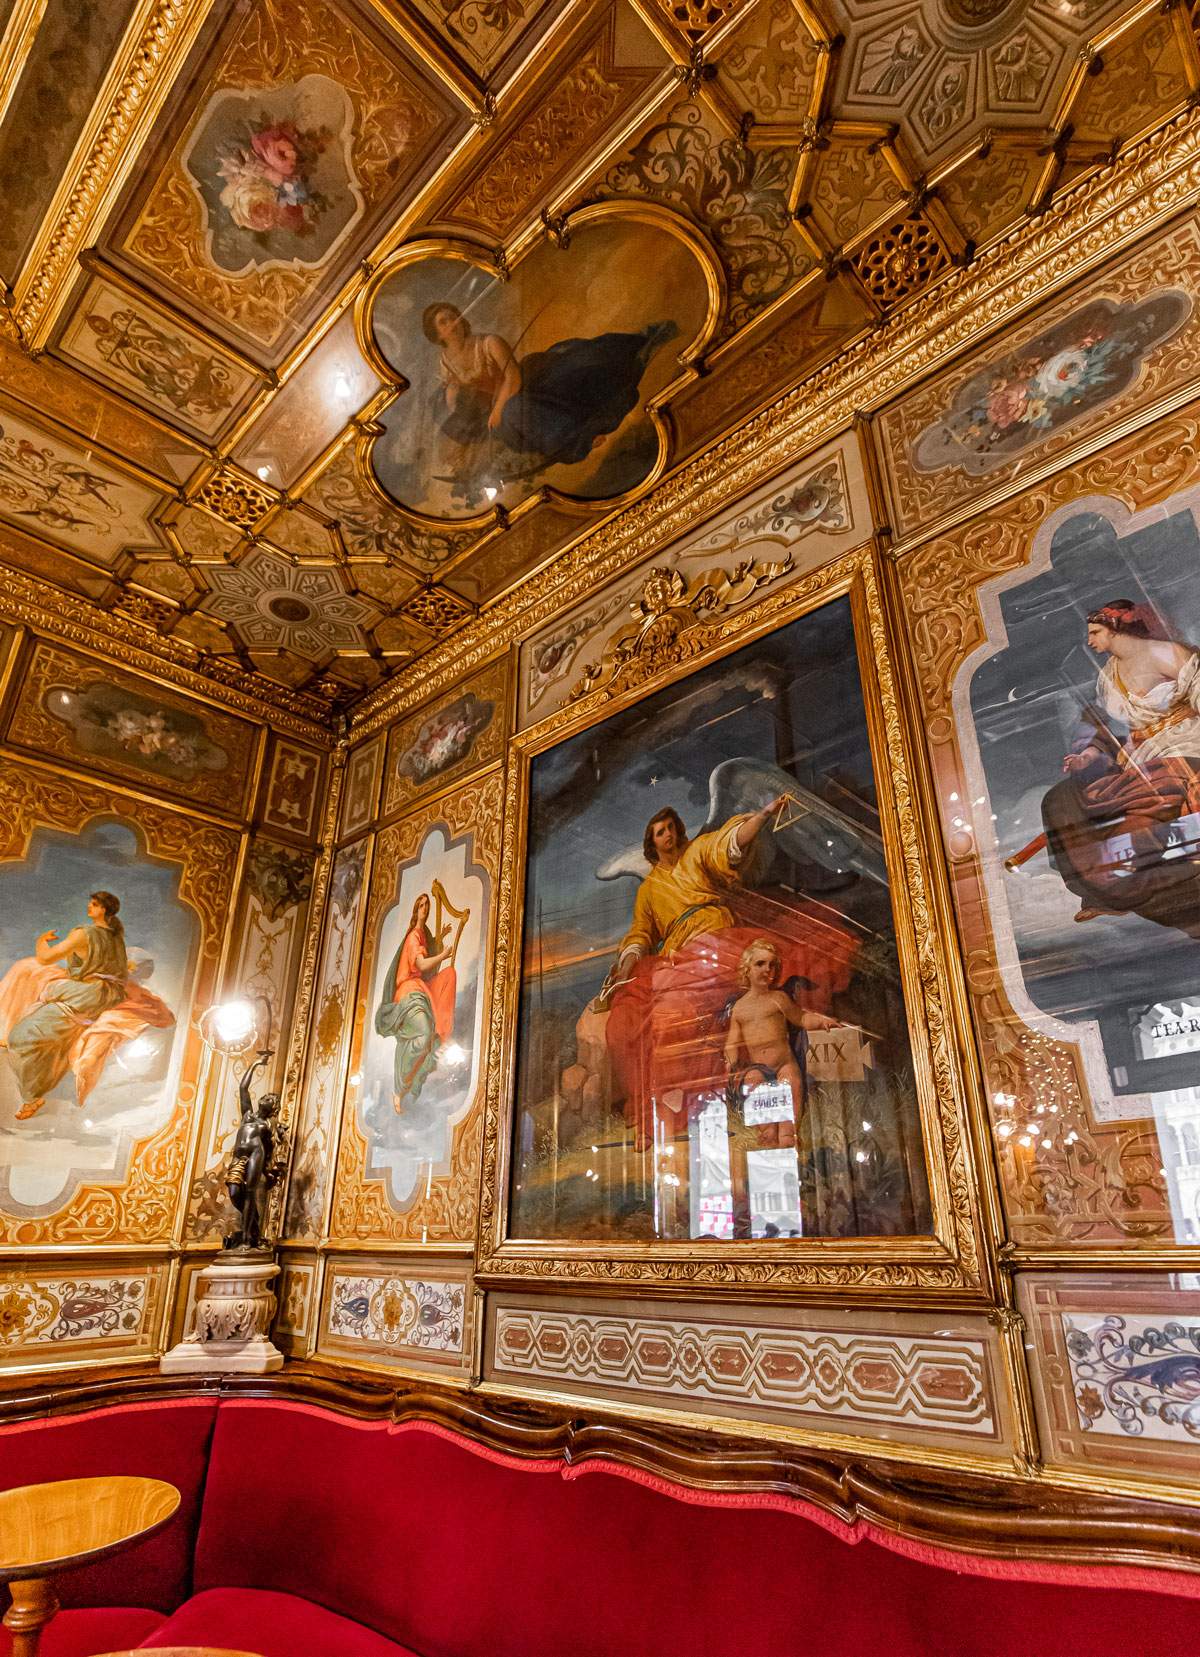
{"points": [[159, 1441], [82, 1633]]}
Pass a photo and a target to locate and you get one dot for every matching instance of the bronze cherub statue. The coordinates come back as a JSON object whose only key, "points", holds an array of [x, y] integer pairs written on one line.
{"points": [[257, 1162]]}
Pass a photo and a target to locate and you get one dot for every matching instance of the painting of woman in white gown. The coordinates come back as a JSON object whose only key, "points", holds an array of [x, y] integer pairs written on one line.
{"points": [[542, 379], [712, 1038], [1087, 728]]}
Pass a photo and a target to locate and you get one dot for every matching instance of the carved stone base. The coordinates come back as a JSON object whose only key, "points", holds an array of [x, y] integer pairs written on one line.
{"points": [[234, 1308]]}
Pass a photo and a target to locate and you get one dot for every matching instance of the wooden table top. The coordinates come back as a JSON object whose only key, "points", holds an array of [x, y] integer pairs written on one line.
{"points": [[48, 1527]]}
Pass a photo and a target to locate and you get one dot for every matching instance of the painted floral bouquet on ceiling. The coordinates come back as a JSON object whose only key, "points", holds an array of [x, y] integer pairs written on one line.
{"points": [[267, 184]]}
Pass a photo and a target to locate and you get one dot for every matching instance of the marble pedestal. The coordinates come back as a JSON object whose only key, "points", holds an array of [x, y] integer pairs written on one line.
{"points": [[231, 1321]]}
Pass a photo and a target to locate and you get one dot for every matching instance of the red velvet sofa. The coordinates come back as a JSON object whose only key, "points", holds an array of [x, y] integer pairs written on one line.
{"points": [[304, 1533]]}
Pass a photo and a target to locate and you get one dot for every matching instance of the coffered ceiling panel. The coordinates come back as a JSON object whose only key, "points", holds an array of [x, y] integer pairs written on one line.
{"points": [[308, 125], [205, 432], [46, 106], [948, 69]]}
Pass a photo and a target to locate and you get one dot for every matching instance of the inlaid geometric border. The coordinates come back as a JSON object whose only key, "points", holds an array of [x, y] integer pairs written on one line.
{"points": [[915, 1376]]}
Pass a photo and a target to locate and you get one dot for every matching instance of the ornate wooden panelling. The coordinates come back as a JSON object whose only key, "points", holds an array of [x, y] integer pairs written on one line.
{"points": [[1116, 1364], [81, 1314], [448, 740], [64, 68], [611, 66], [293, 794], [101, 719], [397, 1313], [361, 798], [119, 337], [360, 116], [796, 521], [914, 1379], [315, 1148], [69, 496], [296, 1291], [270, 935]]}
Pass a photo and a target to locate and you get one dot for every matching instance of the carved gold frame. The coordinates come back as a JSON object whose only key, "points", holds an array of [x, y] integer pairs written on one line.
{"points": [[953, 1262], [496, 265]]}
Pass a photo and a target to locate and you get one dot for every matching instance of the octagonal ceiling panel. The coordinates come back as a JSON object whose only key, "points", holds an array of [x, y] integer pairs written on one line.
{"points": [[271, 604], [946, 70]]}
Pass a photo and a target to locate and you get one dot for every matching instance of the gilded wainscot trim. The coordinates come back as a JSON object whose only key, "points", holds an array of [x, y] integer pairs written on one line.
{"points": [[932, 1383], [699, 630]]}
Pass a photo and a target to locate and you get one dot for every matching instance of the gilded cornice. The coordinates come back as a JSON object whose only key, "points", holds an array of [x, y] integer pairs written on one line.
{"points": [[159, 37], [139, 646], [1094, 219]]}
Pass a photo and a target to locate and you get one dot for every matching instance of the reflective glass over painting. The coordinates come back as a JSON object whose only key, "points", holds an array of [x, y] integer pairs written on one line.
{"points": [[1081, 739], [712, 1040]]}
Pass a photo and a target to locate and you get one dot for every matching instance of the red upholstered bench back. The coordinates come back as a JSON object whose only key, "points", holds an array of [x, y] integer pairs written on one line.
{"points": [[457, 1554], [160, 1441]]}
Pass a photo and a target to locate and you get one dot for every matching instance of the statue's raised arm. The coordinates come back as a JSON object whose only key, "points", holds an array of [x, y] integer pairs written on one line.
{"points": [[245, 1102]]}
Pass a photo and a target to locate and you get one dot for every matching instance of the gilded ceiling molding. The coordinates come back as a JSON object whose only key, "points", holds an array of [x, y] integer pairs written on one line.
{"points": [[138, 645], [1093, 220], [23, 23], [158, 39]]}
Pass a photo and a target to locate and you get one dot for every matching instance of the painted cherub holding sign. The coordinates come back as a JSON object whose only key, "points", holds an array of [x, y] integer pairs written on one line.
{"points": [[760, 1025]]}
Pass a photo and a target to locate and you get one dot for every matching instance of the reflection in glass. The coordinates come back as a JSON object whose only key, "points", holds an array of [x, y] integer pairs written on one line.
{"points": [[1080, 719], [712, 1038]]}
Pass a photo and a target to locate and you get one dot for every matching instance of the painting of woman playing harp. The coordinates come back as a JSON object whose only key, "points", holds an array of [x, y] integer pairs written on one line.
{"points": [[420, 1057], [417, 1010], [722, 1050]]}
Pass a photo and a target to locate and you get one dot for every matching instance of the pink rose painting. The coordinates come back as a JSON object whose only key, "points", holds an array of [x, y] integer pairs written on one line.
{"points": [[266, 181], [274, 171], [1088, 359]]}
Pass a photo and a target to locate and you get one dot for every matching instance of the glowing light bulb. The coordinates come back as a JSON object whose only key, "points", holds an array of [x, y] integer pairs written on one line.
{"points": [[264, 472], [233, 1021], [342, 386]]}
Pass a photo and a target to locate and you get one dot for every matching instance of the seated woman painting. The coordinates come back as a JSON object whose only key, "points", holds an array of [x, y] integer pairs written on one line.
{"points": [[1123, 826], [550, 408], [73, 1003], [417, 1009]]}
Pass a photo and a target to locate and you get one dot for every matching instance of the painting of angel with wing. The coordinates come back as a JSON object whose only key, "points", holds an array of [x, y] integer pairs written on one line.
{"points": [[750, 979]]}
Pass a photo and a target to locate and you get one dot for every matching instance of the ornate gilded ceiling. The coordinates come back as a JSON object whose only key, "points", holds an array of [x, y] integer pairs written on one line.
{"points": [[327, 321]]}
